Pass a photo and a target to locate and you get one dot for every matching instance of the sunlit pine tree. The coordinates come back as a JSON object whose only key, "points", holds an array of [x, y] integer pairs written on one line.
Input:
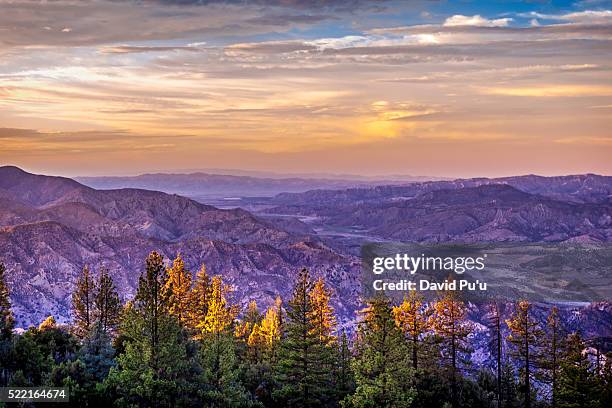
{"points": [[449, 322], [198, 300], [412, 318], [177, 289]]}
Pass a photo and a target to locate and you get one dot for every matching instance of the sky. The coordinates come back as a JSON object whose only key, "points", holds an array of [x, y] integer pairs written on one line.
{"points": [[431, 88]]}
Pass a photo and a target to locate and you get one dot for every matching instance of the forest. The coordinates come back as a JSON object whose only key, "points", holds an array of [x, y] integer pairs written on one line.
{"points": [[183, 341]]}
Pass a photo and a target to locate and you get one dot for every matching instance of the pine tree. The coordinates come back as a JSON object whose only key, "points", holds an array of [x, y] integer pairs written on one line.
{"points": [[412, 318], [272, 330], [218, 352], [524, 335], [256, 344], [158, 364], [199, 298], [509, 386], [449, 323], [7, 320], [382, 367], [151, 303], [97, 353], [245, 327], [495, 325], [322, 314], [83, 303], [303, 380], [221, 372], [578, 385], [324, 322], [252, 315], [107, 305], [7, 323], [263, 343], [551, 355], [220, 315], [177, 289], [605, 380], [345, 381]]}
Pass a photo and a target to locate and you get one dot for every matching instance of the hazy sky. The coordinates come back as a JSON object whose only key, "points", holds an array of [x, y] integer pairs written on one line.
{"points": [[438, 88]]}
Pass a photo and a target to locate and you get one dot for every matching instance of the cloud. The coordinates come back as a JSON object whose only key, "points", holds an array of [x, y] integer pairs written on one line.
{"points": [[131, 49], [475, 21], [284, 76], [552, 91], [582, 17], [270, 47], [27, 23]]}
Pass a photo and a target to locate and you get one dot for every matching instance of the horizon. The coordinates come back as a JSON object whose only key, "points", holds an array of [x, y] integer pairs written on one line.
{"points": [[441, 89], [277, 176]]}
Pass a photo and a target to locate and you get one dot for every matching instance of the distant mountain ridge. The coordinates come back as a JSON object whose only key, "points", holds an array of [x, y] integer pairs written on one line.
{"points": [[522, 208], [206, 185], [579, 188]]}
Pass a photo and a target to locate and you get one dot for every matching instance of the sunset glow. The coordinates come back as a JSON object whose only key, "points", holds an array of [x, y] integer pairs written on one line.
{"points": [[423, 88]]}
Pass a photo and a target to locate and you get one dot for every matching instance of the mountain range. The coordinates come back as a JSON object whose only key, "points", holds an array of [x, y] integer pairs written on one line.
{"points": [[206, 186], [50, 227], [524, 208]]}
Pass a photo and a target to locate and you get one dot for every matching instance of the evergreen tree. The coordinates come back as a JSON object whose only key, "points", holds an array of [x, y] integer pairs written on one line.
{"points": [[256, 344], [84, 376], [107, 305], [322, 314], [218, 353], [450, 325], [303, 380], [382, 367], [578, 385], [510, 397], [324, 326], [250, 340], [263, 343], [97, 353], [272, 330], [151, 302], [159, 363], [252, 315], [412, 317], [551, 354], [495, 325], [524, 335], [177, 287], [199, 298], [7, 323], [83, 303], [220, 315], [221, 372], [345, 381]]}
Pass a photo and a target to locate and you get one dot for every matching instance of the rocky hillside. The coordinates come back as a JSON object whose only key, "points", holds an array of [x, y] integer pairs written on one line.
{"points": [[480, 210], [50, 227]]}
